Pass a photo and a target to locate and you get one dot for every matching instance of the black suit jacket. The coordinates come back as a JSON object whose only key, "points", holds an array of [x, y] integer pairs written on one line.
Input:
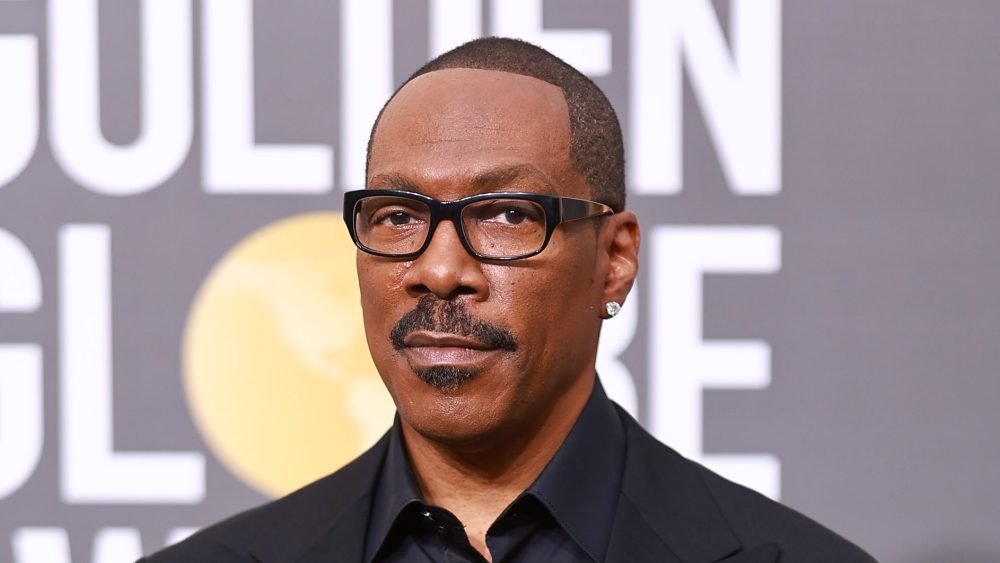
{"points": [[670, 509]]}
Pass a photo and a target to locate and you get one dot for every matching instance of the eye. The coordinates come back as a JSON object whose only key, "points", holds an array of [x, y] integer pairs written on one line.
{"points": [[510, 212], [512, 216], [395, 214], [397, 218]]}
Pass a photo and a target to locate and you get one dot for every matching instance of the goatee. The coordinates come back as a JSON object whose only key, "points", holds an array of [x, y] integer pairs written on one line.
{"points": [[449, 317]]}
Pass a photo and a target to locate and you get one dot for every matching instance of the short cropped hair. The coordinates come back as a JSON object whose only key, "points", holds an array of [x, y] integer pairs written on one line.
{"points": [[596, 149]]}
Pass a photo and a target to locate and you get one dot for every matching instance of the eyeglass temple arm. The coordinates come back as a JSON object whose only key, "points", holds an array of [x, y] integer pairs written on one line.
{"points": [[572, 209]]}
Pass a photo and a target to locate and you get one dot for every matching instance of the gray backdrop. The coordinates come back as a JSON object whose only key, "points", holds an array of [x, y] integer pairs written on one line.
{"points": [[863, 180]]}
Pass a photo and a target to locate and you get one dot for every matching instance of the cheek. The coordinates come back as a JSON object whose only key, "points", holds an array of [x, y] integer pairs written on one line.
{"points": [[378, 286], [367, 291], [548, 302]]}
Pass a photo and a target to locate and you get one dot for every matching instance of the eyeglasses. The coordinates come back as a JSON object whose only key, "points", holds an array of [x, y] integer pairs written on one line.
{"points": [[491, 226]]}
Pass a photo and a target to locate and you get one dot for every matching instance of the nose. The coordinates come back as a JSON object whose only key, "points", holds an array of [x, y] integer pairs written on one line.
{"points": [[446, 269]]}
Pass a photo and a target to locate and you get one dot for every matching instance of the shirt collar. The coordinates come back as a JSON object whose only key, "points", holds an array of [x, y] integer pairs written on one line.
{"points": [[395, 490], [579, 486]]}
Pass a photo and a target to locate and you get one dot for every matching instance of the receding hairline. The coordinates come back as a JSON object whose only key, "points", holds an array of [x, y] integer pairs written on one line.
{"points": [[553, 89], [564, 103], [596, 144], [474, 70]]}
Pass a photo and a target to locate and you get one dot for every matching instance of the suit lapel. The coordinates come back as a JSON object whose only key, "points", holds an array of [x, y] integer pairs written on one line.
{"points": [[326, 521], [345, 540], [767, 553], [666, 506], [633, 541], [665, 513]]}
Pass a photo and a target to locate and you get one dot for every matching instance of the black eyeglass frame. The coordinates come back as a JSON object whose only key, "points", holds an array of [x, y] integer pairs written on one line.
{"points": [[558, 210]]}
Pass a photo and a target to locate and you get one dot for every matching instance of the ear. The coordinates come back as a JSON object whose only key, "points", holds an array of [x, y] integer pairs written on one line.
{"points": [[622, 244]]}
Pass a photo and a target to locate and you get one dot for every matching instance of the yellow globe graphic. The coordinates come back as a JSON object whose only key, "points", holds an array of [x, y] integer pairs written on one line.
{"points": [[276, 369]]}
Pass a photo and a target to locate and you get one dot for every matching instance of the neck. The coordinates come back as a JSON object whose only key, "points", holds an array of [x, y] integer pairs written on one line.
{"points": [[476, 480]]}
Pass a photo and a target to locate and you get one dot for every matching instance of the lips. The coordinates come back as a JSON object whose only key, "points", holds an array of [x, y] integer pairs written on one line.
{"points": [[432, 349], [426, 339]]}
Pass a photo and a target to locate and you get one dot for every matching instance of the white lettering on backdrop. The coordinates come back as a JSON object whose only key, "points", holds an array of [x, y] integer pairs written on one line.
{"points": [[21, 425], [74, 97], [682, 364], [232, 162], [739, 94], [365, 80], [111, 545], [92, 471], [18, 104]]}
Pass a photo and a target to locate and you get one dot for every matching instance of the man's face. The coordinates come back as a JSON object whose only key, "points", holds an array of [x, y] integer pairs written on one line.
{"points": [[482, 348]]}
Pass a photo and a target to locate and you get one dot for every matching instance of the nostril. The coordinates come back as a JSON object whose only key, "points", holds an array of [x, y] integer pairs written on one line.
{"points": [[419, 289], [444, 292], [463, 290]]}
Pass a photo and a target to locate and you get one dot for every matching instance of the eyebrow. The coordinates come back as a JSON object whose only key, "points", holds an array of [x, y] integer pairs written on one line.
{"points": [[490, 179], [392, 182], [504, 175]]}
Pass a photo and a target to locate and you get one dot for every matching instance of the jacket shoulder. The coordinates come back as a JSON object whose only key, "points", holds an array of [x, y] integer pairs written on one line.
{"points": [[752, 518], [298, 519], [758, 519]]}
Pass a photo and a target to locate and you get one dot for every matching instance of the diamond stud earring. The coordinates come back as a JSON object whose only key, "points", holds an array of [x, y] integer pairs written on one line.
{"points": [[613, 308]]}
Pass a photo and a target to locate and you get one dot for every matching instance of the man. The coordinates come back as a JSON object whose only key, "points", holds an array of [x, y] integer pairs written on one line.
{"points": [[493, 242]]}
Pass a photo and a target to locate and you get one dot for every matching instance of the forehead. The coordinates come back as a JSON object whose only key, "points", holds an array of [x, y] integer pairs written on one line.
{"points": [[447, 129]]}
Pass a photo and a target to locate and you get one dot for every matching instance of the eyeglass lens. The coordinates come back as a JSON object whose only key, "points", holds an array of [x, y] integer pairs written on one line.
{"points": [[496, 228]]}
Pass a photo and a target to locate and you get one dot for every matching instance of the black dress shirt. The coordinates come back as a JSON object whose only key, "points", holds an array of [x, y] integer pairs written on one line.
{"points": [[566, 515], [607, 495]]}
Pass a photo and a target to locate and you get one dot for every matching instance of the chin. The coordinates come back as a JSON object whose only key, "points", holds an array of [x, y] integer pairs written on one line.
{"points": [[463, 415]]}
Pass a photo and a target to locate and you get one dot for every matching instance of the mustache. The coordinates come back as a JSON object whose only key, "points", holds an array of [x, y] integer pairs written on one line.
{"points": [[451, 317]]}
